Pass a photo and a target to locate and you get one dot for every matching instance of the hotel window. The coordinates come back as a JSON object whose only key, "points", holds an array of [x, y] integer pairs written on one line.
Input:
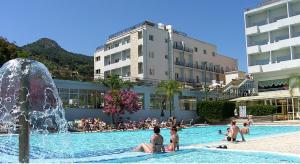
{"points": [[151, 71], [166, 56], [204, 51], [156, 101], [140, 35], [151, 37], [151, 54], [142, 99], [166, 73], [140, 68], [97, 71], [213, 54], [188, 103], [176, 76], [140, 50], [227, 69], [195, 49], [98, 58], [166, 41]]}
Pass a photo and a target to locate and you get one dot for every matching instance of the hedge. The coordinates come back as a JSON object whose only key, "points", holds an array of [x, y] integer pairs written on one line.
{"points": [[261, 110], [215, 111]]}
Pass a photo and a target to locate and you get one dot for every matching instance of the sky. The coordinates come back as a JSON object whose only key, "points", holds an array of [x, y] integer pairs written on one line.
{"points": [[82, 25]]}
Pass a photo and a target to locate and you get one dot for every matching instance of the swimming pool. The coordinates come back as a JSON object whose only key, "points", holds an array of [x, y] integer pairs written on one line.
{"points": [[117, 146]]}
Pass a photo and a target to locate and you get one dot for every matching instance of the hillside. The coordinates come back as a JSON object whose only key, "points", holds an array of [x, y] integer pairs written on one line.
{"points": [[61, 63]]}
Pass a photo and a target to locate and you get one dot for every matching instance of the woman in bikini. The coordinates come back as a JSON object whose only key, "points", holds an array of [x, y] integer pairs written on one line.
{"points": [[156, 143], [174, 141]]}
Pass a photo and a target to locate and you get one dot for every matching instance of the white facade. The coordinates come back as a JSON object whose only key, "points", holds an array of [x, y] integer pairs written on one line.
{"points": [[273, 53], [156, 52], [273, 36]]}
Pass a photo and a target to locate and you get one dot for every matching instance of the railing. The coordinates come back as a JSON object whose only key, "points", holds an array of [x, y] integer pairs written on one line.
{"points": [[271, 89], [131, 28], [264, 3]]}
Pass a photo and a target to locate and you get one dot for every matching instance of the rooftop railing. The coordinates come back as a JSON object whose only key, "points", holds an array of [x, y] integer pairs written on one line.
{"points": [[264, 3]]}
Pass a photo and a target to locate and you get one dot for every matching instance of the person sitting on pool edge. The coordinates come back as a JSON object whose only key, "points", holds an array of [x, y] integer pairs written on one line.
{"points": [[233, 132], [174, 141], [245, 129], [156, 143]]}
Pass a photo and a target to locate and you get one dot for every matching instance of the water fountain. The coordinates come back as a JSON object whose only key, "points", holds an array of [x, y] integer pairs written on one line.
{"points": [[29, 102]]}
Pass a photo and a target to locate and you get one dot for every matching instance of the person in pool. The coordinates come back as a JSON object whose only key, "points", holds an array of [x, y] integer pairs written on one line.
{"points": [[174, 141], [233, 132], [245, 129], [156, 143]]}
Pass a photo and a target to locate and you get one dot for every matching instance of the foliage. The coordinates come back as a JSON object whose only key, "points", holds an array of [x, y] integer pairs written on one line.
{"points": [[113, 82], [294, 82], [10, 51], [119, 99], [215, 111], [61, 63], [169, 88], [117, 102], [261, 110]]}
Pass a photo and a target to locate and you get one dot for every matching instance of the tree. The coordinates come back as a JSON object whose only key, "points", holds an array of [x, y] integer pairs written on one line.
{"points": [[119, 98], [113, 82], [169, 88], [294, 82]]}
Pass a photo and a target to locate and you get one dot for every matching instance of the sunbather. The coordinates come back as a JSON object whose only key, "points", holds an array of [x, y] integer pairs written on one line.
{"points": [[156, 143]]}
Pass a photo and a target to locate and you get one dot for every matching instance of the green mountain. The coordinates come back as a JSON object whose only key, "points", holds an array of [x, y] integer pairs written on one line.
{"points": [[61, 63]]}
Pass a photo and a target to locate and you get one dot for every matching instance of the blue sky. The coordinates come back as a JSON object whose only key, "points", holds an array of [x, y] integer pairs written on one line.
{"points": [[82, 25]]}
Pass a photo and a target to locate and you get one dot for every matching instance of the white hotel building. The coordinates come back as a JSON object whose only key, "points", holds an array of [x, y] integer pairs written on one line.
{"points": [[273, 53], [154, 52]]}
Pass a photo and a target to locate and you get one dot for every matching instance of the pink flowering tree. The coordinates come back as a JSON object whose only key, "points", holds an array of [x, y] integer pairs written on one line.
{"points": [[119, 102]]}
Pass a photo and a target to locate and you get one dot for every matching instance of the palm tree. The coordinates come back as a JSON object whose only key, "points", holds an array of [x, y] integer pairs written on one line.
{"points": [[113, 82], [169, 88], [294, 82]]}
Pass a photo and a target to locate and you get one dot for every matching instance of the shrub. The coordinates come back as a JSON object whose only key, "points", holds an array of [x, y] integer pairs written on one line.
{"points": [[261, 110], [215, 111]]}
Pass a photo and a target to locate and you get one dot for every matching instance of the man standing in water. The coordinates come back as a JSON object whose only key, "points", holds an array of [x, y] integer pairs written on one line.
{"points": [[233, 132]]}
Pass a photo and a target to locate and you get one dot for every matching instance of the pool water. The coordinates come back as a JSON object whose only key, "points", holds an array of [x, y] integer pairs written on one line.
{"points": [[117, 146]]}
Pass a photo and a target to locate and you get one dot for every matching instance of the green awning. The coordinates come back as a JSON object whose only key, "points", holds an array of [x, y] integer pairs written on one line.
{"points": [[276, 82]]}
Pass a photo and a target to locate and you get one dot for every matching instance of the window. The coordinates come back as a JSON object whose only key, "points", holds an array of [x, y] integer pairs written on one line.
{"points": [[98, 58], [97, 71], [140, 35], [151, 54], [166, 73], [157, 101], [151, 37], [204, 51], [140, 68], [213, 54], [166, 40], [151, 71], [195, 49], [166, 56], [176, 76], [188, 103], [140, 50]]}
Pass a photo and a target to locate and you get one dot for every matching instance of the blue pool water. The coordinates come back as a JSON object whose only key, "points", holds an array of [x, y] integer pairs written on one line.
{"points": [[117, 146]]}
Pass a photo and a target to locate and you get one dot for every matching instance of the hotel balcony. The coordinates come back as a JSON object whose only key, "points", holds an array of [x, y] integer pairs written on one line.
{"points": [[282, 65], [281, 42], [120, 63], [273, 26]]}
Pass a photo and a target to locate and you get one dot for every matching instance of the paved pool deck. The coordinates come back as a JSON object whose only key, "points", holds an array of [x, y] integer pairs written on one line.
{"points": [[284, 143], [288, 143]]}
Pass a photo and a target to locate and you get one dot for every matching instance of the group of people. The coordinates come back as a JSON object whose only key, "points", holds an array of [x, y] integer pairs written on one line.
{"points": [[156, 144], [234, 130], [97, 125]]}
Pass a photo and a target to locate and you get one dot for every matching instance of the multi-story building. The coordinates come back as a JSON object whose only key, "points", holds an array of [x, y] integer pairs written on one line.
{"points": [[156, 52], [273, 52]]}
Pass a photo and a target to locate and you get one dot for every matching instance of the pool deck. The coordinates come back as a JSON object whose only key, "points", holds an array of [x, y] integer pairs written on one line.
{"points": [[285, 143]]}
